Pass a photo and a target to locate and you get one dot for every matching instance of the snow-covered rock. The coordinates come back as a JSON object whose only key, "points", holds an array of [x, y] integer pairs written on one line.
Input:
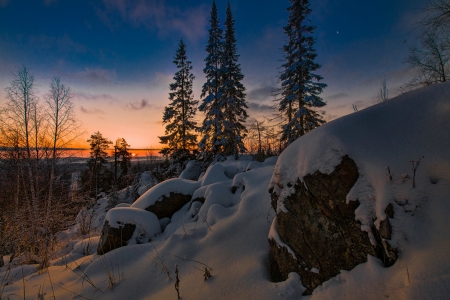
{"points": [[408, 134]]}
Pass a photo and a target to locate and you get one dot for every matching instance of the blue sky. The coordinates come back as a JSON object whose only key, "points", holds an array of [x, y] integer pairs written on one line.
{"points": [[116, 55]]}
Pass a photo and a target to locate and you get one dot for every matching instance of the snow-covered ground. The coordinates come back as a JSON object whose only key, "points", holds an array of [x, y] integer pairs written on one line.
{"points": [[228, 234]]}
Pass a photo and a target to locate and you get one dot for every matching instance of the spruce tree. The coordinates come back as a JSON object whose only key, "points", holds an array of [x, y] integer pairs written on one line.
{"points": [[212, 126], [300, 86], [98, 173], [179, 114], [232, 93], [121, 150]]}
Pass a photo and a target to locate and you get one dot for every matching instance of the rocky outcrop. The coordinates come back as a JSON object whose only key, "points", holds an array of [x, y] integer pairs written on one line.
{"points": [[382, 235], [168, 205], [113, 238], [320, 229]]}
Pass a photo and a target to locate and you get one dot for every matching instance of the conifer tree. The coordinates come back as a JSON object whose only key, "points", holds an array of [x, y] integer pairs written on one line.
{"points": [[179, 114], [300, 86], [232, 93], [121, 150], [212, 126], [98, 172]]}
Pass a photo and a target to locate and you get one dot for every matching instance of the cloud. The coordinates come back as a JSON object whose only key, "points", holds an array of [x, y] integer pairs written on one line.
{"points": [[95, 76], [3, 3], [138, 105], [338, 96], [259, 107], [161, 80], [86, 96], [155, 14], [91, 111], [261, 93]]}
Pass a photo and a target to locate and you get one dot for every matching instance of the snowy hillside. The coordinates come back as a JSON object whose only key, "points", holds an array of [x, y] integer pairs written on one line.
{"points": [[228, 233]]}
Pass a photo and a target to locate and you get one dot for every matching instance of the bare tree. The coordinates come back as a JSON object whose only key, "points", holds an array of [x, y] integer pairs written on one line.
{"points": [[438, 14], [384, 92], [431, 58], [18, 117], [62, 125], [32, 137]]}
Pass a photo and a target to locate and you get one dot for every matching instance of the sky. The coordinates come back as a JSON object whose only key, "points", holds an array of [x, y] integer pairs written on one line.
{"points": [[116, 55]]}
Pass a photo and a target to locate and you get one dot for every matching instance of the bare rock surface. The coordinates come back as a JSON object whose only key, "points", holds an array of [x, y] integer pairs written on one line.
{"points": [[320, 229], [113, 238], [168, 205]]}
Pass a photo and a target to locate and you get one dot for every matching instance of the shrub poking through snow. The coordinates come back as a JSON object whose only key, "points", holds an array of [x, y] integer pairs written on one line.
{"points": [[207, 274], [177, 281], [414, 166], [388, 173]]}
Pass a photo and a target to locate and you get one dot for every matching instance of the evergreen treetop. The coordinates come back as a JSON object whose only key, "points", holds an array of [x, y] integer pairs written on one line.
{"points": [[232, 97], [300, 86], [179, 114], [211, 128]]}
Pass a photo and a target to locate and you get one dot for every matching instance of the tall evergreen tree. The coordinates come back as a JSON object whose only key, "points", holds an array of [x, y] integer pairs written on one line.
{"points": [[300, 86], [211, 129], [179, 114], [232, 93]]}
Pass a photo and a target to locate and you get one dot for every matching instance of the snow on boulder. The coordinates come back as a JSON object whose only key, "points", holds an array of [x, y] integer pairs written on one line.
{"points": [[127, 225], [167, 197], [214, 173], [86, 246], [339, 192], [146, 181], [319, 227], [192, 171]]}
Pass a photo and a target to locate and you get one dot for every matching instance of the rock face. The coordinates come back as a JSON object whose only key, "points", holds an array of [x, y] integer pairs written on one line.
{"points": [[167, 206], [320, 228], [113, 238]]}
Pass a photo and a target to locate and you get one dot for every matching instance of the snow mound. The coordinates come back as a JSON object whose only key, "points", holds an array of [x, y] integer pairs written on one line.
{"points": [[146, 222], [390, 134], [393, 143]]}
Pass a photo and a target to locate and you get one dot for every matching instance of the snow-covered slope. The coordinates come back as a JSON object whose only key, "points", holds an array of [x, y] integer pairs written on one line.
{"points": [[396, 134], [228, 233]]}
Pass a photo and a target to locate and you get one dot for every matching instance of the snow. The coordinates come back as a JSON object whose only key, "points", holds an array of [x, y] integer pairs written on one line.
{"points": [[273, 234], [174, 185], [392, 133], [146, 181], [229, 232], [192, 170], [146, 222]]}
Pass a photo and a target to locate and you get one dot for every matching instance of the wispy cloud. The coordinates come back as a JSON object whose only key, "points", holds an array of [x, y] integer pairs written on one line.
{"points": [[86, 96], [3, 3], [261, 93], [338, 96], [91, 111], [138, 105], [95, 75], [263, 108], [156, 15]]}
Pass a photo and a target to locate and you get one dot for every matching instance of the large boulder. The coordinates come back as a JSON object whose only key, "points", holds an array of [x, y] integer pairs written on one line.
{"points": [[168, 205], [315, 233], [127, 225], [113, 238]]}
